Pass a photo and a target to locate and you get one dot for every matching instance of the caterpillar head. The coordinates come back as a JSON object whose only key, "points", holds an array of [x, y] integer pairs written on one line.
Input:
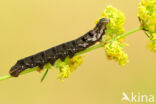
{"points": [[100, 28], [15, 70], [104, 20], [101, 25]]}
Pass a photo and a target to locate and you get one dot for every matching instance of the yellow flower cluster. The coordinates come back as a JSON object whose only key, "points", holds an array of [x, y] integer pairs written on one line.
{"points": [[147, 14], [75, 62], [147, 17], [117, 21], [114, 49], [152, 45], [68, 66]]}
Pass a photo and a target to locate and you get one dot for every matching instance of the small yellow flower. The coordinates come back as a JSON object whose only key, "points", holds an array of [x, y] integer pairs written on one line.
{"points": [[114, 50], [152, 43], [75, 62], [64, 71], [68, 66]]}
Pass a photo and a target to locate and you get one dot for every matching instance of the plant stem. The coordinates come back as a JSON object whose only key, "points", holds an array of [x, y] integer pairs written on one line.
{"points": [[128, 33], [5, 77], [44, 75], [24, 72], [79, 53]]}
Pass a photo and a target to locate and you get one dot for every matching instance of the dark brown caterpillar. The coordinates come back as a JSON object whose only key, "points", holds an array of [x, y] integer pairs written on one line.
{"points": [[61, 51]]}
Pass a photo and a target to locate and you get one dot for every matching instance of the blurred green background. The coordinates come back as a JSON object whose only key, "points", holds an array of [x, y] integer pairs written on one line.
{"points": [[30, 26]]}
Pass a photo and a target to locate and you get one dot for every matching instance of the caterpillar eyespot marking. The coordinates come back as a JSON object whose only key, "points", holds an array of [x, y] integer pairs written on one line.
{"points": [[61, 51]]}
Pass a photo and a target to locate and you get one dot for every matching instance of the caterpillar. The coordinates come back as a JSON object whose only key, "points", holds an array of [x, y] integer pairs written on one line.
{"points": [[61, 51]]}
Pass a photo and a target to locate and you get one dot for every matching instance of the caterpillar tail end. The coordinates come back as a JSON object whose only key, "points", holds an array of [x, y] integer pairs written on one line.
{"points": [[15, 71]]}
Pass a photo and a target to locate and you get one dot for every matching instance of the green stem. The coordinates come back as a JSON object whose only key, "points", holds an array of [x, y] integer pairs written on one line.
{"points": [[24, 72], [128, 33], [44, 75], [5, 77], [79, 53]]}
